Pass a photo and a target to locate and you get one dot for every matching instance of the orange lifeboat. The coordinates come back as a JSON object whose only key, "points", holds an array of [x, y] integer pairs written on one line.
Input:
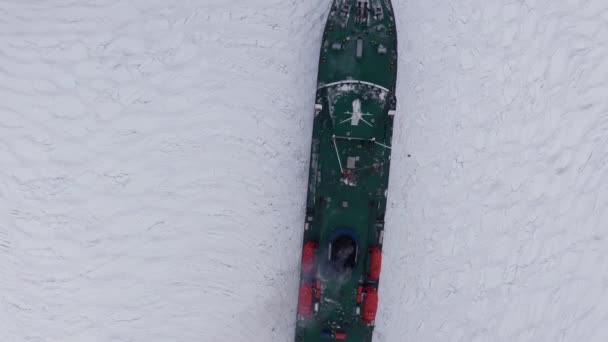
{"points": [[305, 300], [375, 264], [370, 305], [308, 257]]}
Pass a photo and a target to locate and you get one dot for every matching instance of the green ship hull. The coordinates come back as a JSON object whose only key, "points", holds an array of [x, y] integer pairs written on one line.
{"points": [[349, 170]]}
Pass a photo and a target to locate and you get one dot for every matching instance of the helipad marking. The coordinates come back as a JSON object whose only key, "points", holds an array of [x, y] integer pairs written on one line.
{"points": [[353, 82]]}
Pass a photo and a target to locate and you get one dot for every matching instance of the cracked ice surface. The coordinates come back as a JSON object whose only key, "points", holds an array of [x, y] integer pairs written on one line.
{"points": [[153, 167], [497, 224]]}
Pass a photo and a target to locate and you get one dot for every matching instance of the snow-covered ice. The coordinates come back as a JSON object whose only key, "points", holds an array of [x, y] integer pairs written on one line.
{"points": [[154, 158], [497, 229]]}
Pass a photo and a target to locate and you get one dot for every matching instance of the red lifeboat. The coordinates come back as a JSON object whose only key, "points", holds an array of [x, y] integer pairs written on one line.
{"points": [[375, 264], [308, 256], [340, 336], [305, 300], [370, 305]]}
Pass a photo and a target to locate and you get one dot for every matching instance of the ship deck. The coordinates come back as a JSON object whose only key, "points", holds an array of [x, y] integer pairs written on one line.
{"points": [[350, 157]]}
